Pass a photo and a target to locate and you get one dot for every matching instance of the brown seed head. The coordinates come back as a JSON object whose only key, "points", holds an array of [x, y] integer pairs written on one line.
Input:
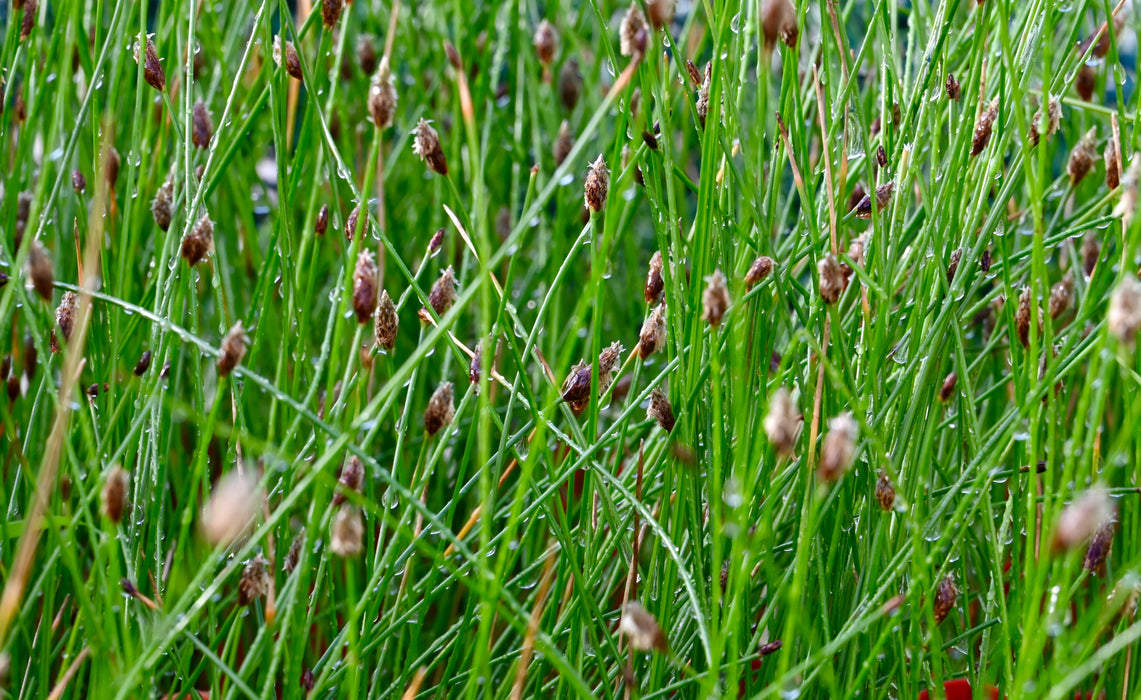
{"points": [[1124, 317], [1112, 161], [443, 293], [1081, 519], [653, 335], [152, 67], [1101, 46], [948, 389], [546, 42], [203, 126], [322, 223], [331, 12], [1085, 82], [863, 209], [984, 261], [607, 362], [441, 408], [285, 55], [1082, 157], [115, 499], [1062, 295], [597, 185], [633, 34], [387, 322], [1053, 117], [661, 12], [198, 241], [366, 54], [885, 492], [426, 144], [782, 424], [1091, 251], [832, 282], [1022, 317], [67, 313], [382, 97], [564, 142], [293, 556], [778, 21], [702, 106], [984, 127], [641, 628], [881, 157], [1099, 546], [254, 582], [111, 164], [30, 357], [162, 206], [953, 266], [78, 181], [660, 410], [655, 285], [715, 299], [576, 387], [28, 22], [352, 477], [364, 287], [347, 531], [143, 364], [838, 449], [952, 87], [39, 270], [761, 268], [570, 84], [233, 349], [946, 596], [352, 221], [475, 367], [234, 504], [1127, 204]]}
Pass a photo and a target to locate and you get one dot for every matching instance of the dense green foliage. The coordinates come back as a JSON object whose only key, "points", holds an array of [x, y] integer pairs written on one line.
{"points": [[961, 414]]}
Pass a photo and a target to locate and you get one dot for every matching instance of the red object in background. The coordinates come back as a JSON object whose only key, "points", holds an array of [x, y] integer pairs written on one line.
{"points": [[960, 690]]}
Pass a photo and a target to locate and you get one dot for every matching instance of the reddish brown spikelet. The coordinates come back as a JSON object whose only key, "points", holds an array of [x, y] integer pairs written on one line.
{"points": [[1085, 82], [322, 223], [661, 411], [28, 22], [885, 492], [652, 338], [1061, 295], [715, 299], [946, 596], [661, 12], [162, 206], [39, 271], [352, 477], [1022, 317], [953, 89], [1113, 160], [984, 127], [203, 126], [364, 287], [382, 96], [435, 242], [948, 389], [863, 209], [115, 494], [255, 580], [881, 157], [633, 34], [702, 105], [1080, 520], [1091, 252], [1124, 317], [769, 648], [953, 266], [293, 556], [607, 361], [78, 181], [112, 162], [233, 349], [832, 282], [426, 144], [352, 221], [331, 12], [198, 241], [347, 536], [387, 322], [570, 84], [366, 54], [597, 185], [152, 67], [1053, 114], [143, 364], [655, 285], [984, 261], [285, 55], [66, 314], [857, 196], [546, 43], [443, 293], [783, 421], [475, 367], [761, 268], [30, 357], [576, 387], [564, 142], [1099, 547], [838, 449], [1101, 47], [778, 22], [1082, 157], [641, 628], [441, 408]]}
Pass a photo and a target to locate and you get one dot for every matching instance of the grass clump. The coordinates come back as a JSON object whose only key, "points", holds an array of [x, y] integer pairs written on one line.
{"points": [[875, 434]]}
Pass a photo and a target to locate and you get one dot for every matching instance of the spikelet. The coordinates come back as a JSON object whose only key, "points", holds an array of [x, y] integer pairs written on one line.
{"points": [[1124, 317], [1113, 158], [426, 144], [351, 479], [607, 362], [1022, 317], [331, 12], [1062, 295], [162, 206], [633, 33], [660, 410], [546, 43], [661, 12], [839, 448], [863, 208], [952, 88], [255, 580], [761, 268], [366, 54], [1081, 519], [1085, 82], [1099, 546], [321, 225], [387, 322], [953, 266], [143, 364], [885, 492], [948, 389], [441, 408], [364, 287], [831, 282], [78, 181], [984, 127], [443, 293], [653, 335], [1053, 120], [198, 241], [1082, 157], [783, 422], [233, 349], [597, 185], [382, 97], [946, 596], [39, 270], [778, 22], [229, 514], [655, 285], [115, 494], [702, 105], [347, 532], [285, 55], [1127, 204], [66, 314], [641, 628], [293, 556], [152, 67], [202, 126], [715, 299]]}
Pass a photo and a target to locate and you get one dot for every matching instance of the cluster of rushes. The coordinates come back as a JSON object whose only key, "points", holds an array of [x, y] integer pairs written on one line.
{"points": [[810, 482]]}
